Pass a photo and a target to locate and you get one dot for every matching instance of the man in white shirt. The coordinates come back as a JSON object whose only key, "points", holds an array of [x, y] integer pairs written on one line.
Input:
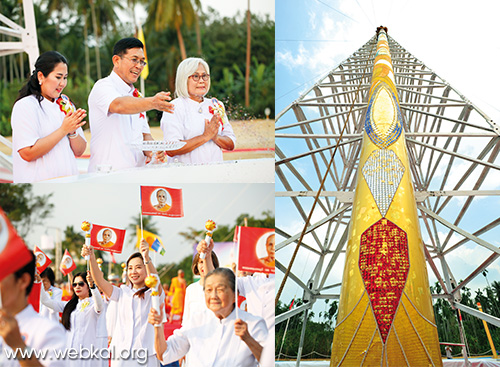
{"points": [[22, 329], [117, 111]]}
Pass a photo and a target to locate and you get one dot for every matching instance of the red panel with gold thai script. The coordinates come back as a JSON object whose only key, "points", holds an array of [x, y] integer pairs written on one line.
{"points": [[384, 265]]}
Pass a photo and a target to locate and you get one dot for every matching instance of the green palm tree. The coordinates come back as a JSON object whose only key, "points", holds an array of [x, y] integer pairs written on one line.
{"points": [[103, 16], [172, 14], [59, 7]]}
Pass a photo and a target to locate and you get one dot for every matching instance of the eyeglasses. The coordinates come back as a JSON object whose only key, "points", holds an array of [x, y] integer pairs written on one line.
{"points": [[136, 61], [196, 77], [81, 284]]}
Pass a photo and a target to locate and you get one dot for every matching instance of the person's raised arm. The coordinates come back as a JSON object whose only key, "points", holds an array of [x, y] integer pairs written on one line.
{"points": [[98, 303], [154, 318], [42, 146], [150, 268], [241, 330], [203, 248], [129, 105], [97, 276]]}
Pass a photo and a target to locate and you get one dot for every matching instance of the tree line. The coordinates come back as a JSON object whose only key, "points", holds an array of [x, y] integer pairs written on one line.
{"points": [[320, 330], [26, 210], [85, 32]]}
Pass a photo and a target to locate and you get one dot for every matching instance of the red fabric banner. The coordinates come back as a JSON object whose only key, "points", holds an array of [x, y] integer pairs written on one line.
{"points": [[162, 201], [106, 238], [256, 249], [13, 252], [42, 260], [34, 296], [67, 263]]}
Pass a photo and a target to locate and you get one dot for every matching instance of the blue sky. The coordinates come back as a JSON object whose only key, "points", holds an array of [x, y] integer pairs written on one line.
{"points": [[453, 38]]}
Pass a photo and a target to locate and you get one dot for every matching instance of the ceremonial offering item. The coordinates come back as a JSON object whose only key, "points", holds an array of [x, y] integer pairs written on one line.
{"points": [[99, 262], [153, 282], [210, 227], [87, 227], [155, 146], [65, 104], [218, 108]]}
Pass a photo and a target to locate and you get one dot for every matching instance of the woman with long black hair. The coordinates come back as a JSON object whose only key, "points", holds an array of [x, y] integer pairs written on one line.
{"points": [[46, 126], [79, 317]]}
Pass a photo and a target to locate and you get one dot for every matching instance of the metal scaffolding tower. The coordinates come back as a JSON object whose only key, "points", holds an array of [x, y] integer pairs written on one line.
{"points": [[452, 146]]}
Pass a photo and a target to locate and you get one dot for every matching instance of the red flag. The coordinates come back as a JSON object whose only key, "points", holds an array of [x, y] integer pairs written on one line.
{"points": [[67, 263], [291, 304], [34, 296], [13, 252], [256, 249], [163, 201], [42, 260], [107, 238]]}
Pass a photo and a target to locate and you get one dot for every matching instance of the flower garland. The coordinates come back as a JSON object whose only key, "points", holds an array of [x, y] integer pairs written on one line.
{"points": [[138, 94], [65, 104], [218, 108]]}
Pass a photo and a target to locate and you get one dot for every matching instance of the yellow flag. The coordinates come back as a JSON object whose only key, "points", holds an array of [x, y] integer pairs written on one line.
{"points": [[145, 71], [148, 236]]}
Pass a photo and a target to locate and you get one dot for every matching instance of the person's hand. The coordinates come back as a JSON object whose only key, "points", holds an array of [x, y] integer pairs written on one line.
{"points": [[241, 329], [87, 250], [160, 156], [155, 318], [212, 126], [9, 331], [144, 250], [90, 280], [73, 121], [160, 102], [203, 248]]}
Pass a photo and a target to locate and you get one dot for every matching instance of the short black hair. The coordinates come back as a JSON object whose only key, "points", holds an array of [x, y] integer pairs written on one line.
{"points": [[49, 274], [124, 44], [30, 269]]}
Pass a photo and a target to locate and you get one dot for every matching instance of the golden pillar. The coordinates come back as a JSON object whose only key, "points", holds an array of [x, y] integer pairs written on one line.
{"points": [[385, 313]]}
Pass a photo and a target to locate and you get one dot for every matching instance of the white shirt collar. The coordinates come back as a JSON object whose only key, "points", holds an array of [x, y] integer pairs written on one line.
{"points": [[120, 83]]}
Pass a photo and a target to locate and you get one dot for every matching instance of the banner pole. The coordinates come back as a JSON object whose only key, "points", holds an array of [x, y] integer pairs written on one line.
{"points": [[237, 243]]}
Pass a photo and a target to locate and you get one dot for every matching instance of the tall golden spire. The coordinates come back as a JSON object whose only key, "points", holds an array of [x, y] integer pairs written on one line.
{"points": [[385, 314]]}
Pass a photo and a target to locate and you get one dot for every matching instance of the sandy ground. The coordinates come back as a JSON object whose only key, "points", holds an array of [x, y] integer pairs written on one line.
{"points": [[254, 139]]}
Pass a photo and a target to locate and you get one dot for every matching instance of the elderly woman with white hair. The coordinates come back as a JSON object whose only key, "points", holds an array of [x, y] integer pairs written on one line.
{"points": [[194, 120], [214, 336]]}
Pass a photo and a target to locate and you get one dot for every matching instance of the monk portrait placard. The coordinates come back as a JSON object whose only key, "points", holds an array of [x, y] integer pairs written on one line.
{"points": [[162, 201], [42, 260], [256, 249], [107, 238]]}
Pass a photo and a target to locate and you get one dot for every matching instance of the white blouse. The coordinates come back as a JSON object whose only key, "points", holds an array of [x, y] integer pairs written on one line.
{"points": [[32, 121], [39, 334], [188, 121], [131, 329], [259, 292], [47, 312], [84, 324], [210, 342], [194, 301]]}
